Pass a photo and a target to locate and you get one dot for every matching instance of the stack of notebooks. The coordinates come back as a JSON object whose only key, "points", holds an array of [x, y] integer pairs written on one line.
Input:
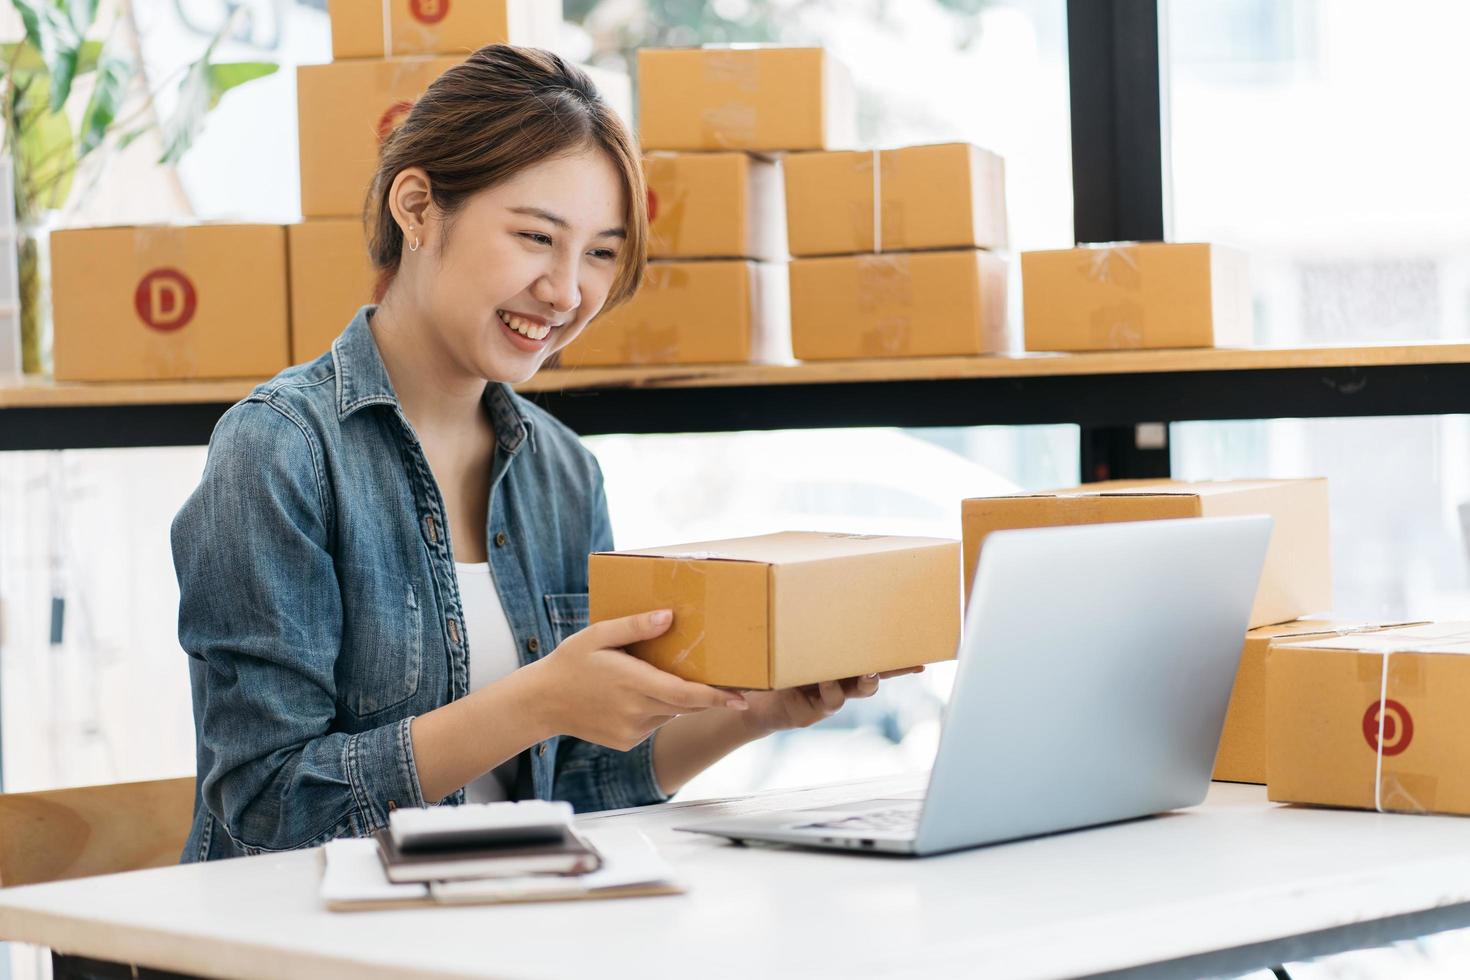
{"points": [[487, 853]]}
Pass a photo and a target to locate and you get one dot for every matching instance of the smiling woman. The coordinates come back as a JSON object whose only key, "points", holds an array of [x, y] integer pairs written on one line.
{"points": [[383, 571]]}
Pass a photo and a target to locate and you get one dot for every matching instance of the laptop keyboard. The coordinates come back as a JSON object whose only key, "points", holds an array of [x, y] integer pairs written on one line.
{"points": [[896, 820]]}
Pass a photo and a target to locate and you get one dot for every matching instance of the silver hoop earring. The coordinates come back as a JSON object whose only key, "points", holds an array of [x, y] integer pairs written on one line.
{"points": [[415, 246]]}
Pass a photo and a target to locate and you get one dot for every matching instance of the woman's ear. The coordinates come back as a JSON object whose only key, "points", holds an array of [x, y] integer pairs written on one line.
{"points": [[411, 199]]}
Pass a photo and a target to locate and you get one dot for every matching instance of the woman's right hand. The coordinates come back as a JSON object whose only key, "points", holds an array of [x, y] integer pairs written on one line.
{"points": [[591, 689]]}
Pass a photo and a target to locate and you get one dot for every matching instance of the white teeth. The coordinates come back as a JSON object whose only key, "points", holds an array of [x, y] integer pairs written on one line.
{"points": [[523, 326]]}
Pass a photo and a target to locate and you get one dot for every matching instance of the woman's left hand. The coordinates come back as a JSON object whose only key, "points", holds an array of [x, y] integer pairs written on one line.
{"points": [[798, 707]]}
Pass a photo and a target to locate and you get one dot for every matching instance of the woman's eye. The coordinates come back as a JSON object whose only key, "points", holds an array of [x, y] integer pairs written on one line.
{"points": [[536, 237], [603, 253]]}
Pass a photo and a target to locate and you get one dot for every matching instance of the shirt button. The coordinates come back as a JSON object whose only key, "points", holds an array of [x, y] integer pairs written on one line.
{"points": [[541, 749], [533, 644], [392, 805], [431, 528], [454, 631], [500, 539]]}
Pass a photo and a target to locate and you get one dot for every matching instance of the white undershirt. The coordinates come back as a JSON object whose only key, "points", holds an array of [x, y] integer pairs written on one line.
{"points": [[492, 656]]}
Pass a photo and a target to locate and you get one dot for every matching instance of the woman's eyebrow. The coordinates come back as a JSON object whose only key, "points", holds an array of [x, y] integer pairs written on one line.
{"points": [[558, 221]]}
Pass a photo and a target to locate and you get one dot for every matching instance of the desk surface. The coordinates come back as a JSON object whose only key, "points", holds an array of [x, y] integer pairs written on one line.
{"points": [[1236, 872], [40, 393]]}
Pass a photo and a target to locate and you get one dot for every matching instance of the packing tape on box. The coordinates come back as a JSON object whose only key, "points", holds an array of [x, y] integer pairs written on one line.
{"points": [[877, 203], [733, 124], [885, 287], [1397, 789], [648, 343], [387, 28]]}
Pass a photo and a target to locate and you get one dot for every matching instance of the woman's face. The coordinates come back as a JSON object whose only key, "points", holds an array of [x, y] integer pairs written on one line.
{"points": [[523, 267]]}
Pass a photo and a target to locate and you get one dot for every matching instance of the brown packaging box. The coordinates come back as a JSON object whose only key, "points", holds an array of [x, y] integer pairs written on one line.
{"points": [[331, 276], [1296, 580], [439, 26], [169, 302], [1242, 755], [919, 304], [787, 609], [714, 206], [950, 195], [345, 109], [746, 98], [1332, 703], [1136, 295], [715, 312]]}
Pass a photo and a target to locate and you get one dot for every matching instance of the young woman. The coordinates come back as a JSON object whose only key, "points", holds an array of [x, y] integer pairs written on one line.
{"points": [[383, 569]]}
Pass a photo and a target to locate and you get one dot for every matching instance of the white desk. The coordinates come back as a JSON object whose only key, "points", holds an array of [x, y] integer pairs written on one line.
{"points": [[1234, 885]]}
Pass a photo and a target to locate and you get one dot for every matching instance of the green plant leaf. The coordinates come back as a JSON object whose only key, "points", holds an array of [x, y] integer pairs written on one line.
{"points": [[226, 76], [47, 159], [82, 14], [114, 74], [200, 91], [28, 60], [52, 30]]}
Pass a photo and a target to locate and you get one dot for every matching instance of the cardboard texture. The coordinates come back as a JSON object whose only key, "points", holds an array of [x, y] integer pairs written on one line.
{"points": [[949, 195], [715, 312], [782, 610], [331, 277], [142, 303], [920, 304], [378, 28], [1296, 580], [714, 206], [1242, 755], [345, 110], [754, 97], [1331, 706], [1136, 295]]}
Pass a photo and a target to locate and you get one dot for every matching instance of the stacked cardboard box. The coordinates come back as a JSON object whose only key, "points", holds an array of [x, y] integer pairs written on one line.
{"points": [[710, 120], [1242, 755], [386, 53], [893, 252], [1133, 295], [144, 303], [1374, 720], [1296, 580]]}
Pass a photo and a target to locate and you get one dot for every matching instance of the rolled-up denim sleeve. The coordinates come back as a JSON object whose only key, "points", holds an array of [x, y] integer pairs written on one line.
{"points": [[594, 777], [260, 616]]}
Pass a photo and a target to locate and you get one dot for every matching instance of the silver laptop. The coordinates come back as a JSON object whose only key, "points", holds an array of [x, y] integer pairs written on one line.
{"points": [[1096, 665]]}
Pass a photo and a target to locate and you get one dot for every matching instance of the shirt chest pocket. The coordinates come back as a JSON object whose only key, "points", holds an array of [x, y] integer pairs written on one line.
{"points": [[382, 654], [567, 612]]}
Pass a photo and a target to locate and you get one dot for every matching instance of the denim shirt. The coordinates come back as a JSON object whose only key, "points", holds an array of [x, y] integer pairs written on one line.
{"points": [[320, 610]]}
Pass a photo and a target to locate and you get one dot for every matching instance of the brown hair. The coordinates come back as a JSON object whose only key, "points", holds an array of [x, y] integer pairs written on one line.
{"points": [[504, 109]]}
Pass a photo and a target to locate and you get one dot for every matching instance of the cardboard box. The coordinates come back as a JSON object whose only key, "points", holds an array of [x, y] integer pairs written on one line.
{"points": [[331, 277], [714, 206], [1242, 755], [1373, 720], [1128, 296], [920, 304], [141, 303], [782, 610], [345, 109], [716, 312], [754, 97], [950, 195], [375, 28], [1296, 580]]}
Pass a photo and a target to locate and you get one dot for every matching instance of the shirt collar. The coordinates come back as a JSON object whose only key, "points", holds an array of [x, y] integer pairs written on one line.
{"points": [[362, 379]]}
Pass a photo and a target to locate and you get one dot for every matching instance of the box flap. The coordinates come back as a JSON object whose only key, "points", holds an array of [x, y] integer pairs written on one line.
{"points": [[1436, 638], [787, 547], [1320, 628]]}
